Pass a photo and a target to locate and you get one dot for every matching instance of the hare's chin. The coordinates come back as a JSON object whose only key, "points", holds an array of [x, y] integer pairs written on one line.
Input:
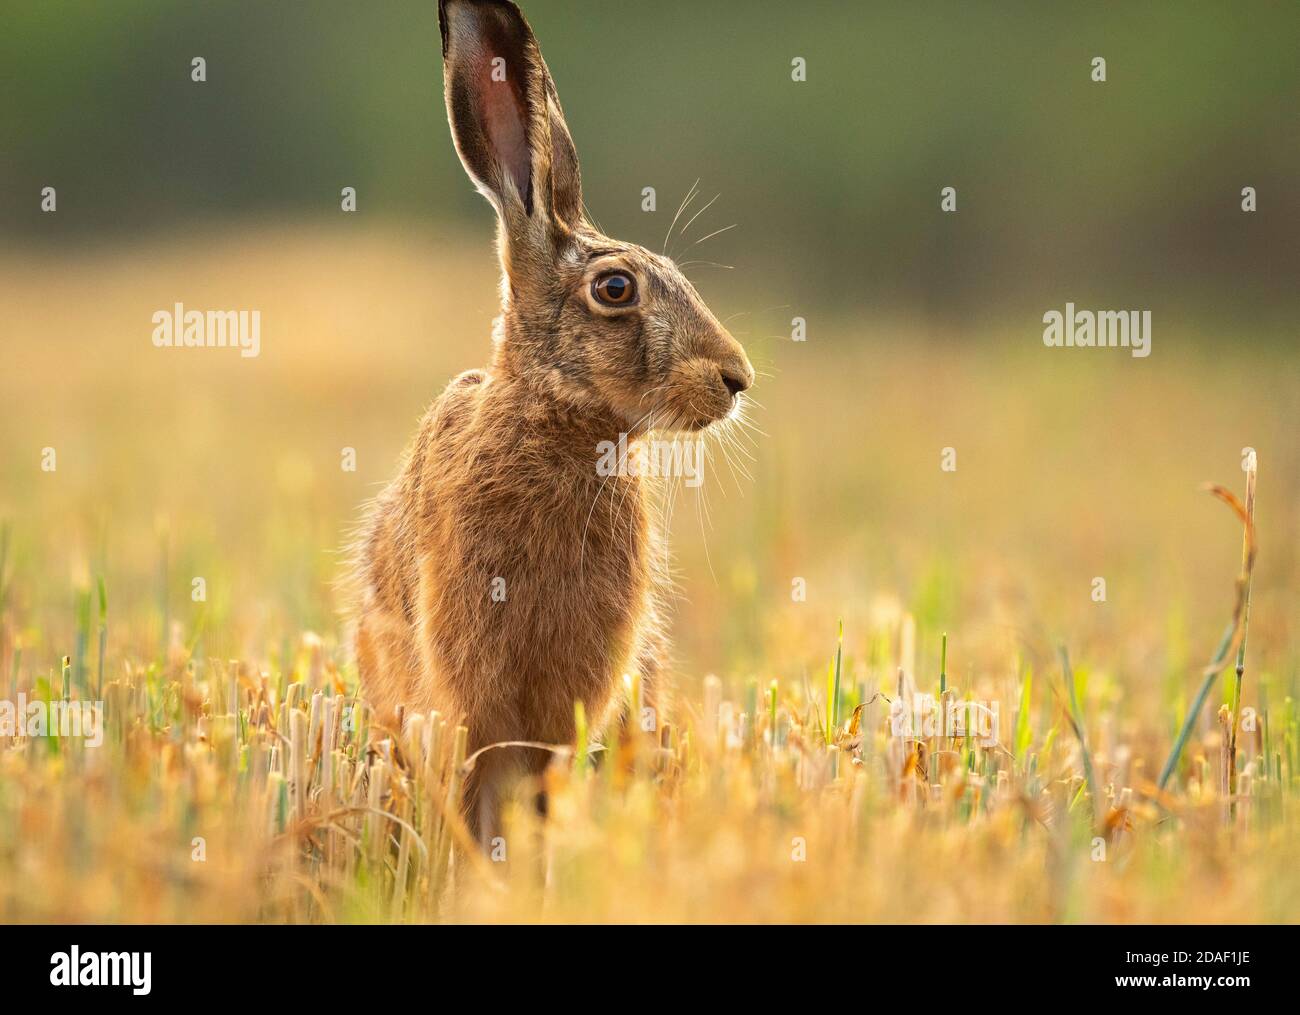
{"points": [[681, 426], [702, 423]]}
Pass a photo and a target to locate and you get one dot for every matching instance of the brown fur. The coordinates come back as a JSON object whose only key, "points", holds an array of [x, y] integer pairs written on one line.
{"points": [[501, 480]]}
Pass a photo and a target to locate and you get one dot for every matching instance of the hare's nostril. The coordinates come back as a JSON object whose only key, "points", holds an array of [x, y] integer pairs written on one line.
{"points": [[735, 383]]}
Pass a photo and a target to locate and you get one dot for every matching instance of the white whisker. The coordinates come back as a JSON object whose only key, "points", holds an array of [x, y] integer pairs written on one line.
{"points": [[682, 234], [690, 196], [716, 232]]}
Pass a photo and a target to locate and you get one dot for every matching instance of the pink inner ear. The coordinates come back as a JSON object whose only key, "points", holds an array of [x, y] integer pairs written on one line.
{"points": [[504, 114]]}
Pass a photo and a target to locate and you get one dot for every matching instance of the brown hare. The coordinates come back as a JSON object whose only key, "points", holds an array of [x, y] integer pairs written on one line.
{"points": [[502, 577]]}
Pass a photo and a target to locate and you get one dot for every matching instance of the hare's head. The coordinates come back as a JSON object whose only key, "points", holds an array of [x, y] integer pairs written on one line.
{"points": [[597, 322]]}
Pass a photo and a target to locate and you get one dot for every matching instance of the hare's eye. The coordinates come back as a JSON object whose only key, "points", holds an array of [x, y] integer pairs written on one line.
{"points": [[616, 290]]}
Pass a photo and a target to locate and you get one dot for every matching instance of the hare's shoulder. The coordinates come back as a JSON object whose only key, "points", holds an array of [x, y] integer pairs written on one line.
{"points": [[468, 379], [449, 411]]}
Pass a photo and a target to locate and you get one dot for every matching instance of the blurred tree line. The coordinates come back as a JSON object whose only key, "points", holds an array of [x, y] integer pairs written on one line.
{"points": [[1122, 194]]}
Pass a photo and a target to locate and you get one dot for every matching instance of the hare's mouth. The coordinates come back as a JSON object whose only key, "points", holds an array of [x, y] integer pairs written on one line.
{"points": [[698, 397], [692, 417], [731, 412]]}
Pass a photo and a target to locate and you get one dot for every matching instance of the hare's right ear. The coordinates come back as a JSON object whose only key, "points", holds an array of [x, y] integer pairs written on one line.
{"points": [[505, 116]]}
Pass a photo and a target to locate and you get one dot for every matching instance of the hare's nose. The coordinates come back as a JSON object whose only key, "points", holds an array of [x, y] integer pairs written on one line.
{"points": [[735, 381]]}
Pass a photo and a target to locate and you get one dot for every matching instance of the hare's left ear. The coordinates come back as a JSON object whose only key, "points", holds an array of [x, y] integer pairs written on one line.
{"points": [[505, 115]]}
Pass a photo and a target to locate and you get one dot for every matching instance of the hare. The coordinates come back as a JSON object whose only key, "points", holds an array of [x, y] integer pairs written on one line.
{"points": [[502, 577]]}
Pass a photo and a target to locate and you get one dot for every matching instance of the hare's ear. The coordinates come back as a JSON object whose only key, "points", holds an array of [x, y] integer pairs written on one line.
{"points": [[505, 114]]}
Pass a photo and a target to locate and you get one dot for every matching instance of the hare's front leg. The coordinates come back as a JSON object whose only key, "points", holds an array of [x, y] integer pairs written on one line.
{"points": [[385, 651], [484, 788], [653, 647], [651, 661]]}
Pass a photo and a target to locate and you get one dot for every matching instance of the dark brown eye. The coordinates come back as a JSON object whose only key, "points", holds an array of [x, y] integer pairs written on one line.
{"points": [[616, 290]]}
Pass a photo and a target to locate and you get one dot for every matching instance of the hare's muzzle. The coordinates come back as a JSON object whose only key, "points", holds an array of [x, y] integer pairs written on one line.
{"points": [[734, 369], [710, 383]]}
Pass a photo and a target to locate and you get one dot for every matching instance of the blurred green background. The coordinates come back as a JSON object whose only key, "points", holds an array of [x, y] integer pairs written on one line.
{"points": [[1122, 194]]}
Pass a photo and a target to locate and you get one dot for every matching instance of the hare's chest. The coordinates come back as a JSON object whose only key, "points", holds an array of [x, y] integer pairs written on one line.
{"points": [[581, 575], [571, 631], [551, 582]]}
